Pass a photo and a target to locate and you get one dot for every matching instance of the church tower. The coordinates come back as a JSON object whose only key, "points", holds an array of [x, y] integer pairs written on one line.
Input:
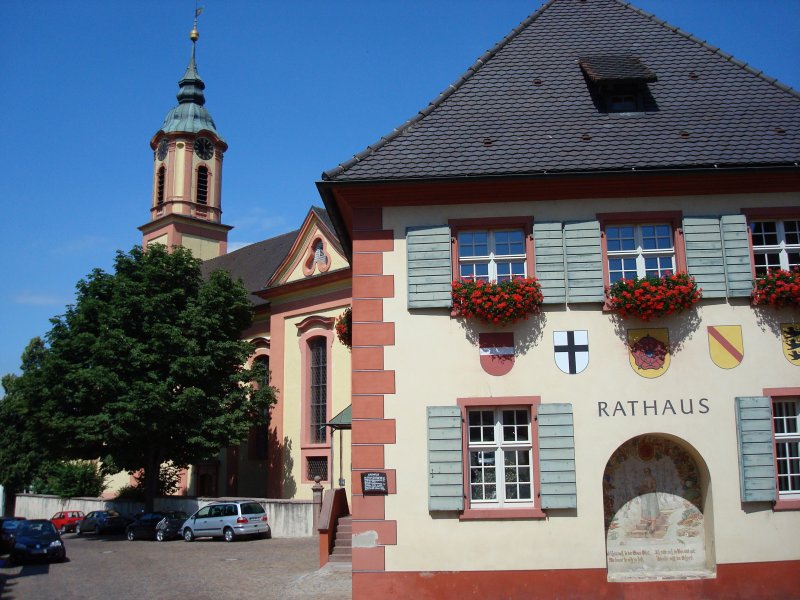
{"points": [[186, 206]]}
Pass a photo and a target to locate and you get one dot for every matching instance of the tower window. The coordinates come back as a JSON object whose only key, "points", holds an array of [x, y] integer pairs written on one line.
{"points": [[160, 186], [202, 185]]}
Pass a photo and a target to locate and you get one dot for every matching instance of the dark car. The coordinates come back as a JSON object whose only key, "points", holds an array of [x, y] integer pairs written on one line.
{"points": [[102, 521], [156, 525], [8, 529], [37, 539]]}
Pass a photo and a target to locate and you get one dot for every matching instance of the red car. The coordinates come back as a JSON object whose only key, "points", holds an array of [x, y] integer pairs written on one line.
{"points": [[65, 521]]}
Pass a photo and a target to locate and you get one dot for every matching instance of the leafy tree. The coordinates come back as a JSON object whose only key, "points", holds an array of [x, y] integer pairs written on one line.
{"points": [[147, 365], [27, 442], [70, 479]]}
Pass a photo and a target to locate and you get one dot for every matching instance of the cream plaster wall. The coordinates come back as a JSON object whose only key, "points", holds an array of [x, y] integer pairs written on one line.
{"points": [[435, 364], [179, 172], [162, 239], [201, 248], [292, 395]]}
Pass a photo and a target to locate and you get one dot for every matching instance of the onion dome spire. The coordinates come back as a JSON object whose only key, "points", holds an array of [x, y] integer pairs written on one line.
{"points": [[190, 116]]}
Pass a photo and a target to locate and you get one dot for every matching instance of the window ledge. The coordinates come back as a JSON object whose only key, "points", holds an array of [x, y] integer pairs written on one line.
{"points": [[471, 514], [786, 505]]}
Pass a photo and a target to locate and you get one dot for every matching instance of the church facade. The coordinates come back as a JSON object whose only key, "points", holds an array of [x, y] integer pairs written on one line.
{"points": [[530, 419]]}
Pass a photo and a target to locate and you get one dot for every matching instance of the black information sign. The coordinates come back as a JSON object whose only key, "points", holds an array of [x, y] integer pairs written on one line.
{"points": [[374, 482]]}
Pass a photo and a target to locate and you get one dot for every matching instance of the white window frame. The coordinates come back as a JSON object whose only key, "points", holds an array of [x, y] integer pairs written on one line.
{"points": [[492, 259], [782, 248], [785, 418], [639, 253], [498, 446]]}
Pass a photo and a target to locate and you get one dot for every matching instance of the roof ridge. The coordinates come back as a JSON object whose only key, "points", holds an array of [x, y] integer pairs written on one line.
{"points": [[444, 95], [714, 49]]}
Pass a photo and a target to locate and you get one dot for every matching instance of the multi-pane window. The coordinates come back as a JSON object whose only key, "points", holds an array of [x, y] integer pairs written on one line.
{"points": [[786, 426], [318, 351], [491, 255], [500, 470], [776, 244], [261, 433], [639, 251], [202, 185]]}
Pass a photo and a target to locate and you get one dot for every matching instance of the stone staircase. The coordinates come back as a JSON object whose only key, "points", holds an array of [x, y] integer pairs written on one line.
{"points": [[343, 545]]}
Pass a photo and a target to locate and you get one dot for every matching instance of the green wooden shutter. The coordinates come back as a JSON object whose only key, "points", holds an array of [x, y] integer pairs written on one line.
{"points": [[705, 260], [445, 459], [738, 261], [548, 241], [584, 258], [557, 483], [430, 272], [756, 451]]}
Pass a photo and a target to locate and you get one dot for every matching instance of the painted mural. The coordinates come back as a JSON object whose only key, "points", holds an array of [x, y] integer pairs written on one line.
{"points": [[653, 509]]}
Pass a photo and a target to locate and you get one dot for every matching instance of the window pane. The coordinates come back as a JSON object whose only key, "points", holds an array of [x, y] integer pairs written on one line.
{"points": [[507, 270], [765, 233], [473, 243], [791, 231], [509, 242], [620, 238]]}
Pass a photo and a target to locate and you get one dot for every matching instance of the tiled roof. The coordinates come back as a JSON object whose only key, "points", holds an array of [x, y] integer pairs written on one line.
{"points": [[254, 264], [524, 107]]}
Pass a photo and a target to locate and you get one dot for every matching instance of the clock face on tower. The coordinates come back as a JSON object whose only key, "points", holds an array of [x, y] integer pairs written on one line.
{"points": [[204, 148], [161, 152]]}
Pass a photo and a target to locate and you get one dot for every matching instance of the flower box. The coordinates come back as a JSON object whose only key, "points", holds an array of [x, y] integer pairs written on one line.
{"points": [[778, 288], [344, 327], [651, 298], [496, 303]]}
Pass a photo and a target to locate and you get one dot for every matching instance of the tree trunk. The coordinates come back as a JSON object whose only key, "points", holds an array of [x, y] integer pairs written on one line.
{"points": [[151, 474]]}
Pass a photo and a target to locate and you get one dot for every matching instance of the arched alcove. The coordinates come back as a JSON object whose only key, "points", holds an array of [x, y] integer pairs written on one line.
{"points": [[656, 504]]}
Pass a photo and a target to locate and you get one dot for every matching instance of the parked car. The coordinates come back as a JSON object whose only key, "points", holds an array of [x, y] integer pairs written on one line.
{"points": [[102, 521], [65, 521], [37, 539], [156, 525], [228, 520], [8, 529]]}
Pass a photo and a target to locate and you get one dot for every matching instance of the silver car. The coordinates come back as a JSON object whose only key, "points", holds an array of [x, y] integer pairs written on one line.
{"points": [[227, 519]]}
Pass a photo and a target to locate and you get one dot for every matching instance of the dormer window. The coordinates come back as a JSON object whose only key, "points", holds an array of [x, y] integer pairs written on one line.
{"points": [[618, 84]]}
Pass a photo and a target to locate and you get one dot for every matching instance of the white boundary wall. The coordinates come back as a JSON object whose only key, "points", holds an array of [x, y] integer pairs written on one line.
{"points": [[287, 518]]}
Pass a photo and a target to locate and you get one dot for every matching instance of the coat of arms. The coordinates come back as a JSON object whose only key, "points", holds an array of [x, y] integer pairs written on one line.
{"points": [[571, 350], [648, 351], [790, 336], [725, 345], [496, 352]]}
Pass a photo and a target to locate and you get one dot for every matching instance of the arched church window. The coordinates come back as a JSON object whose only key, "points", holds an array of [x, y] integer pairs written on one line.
{"points": [[202, 185], [318, 388], [162, 172]]}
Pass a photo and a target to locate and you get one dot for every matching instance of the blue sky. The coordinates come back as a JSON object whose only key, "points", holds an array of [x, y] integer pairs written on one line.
{"points": [[295, 88]]}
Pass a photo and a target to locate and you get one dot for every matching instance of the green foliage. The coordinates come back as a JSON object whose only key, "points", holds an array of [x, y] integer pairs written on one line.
{"points": [[70, 480], [27, 442], [147, 366]]}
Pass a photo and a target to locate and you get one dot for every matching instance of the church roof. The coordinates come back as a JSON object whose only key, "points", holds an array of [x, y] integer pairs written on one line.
{"points": [[190, 116], [254, 264], [531, 105]]}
